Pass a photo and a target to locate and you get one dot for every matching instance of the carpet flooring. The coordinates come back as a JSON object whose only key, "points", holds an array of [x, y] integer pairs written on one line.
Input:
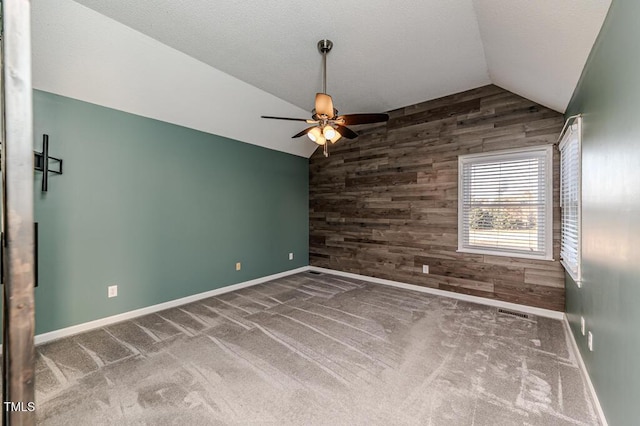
{"points": [[316, 350]]}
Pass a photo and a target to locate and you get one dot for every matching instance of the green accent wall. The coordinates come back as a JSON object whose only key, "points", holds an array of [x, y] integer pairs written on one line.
{"points": [[160, 210], [609, 97]]}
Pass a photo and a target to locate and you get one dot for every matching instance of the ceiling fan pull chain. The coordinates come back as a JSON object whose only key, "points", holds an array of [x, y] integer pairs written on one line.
{"points": [[326, 149]]}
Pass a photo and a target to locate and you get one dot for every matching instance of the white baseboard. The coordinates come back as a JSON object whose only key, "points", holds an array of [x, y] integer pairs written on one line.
{"points": [[585, 373], [450, 294], [69, 331]]}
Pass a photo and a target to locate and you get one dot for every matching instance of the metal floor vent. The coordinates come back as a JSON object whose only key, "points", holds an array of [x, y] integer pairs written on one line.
{"points": [[514, 313], [315, 272]]}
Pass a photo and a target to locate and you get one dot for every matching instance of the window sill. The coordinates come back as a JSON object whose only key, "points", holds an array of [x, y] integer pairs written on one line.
{"points": [[504, 254], [576, 277]]}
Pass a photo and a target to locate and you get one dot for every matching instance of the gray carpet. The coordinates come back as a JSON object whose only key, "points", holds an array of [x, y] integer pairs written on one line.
{"points": [[316, 350]]}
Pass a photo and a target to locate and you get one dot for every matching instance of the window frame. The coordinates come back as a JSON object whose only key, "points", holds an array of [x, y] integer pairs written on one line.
{"points": [[505, 155], [574, 128]]}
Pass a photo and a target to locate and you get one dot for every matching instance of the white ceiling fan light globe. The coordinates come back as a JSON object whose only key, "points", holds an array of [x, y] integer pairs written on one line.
{"points": [[329, 132], [321, 140], [335, 138]]}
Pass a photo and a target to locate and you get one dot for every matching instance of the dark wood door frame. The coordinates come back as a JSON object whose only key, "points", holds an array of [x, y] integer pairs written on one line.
{"points": [[18, 353]]}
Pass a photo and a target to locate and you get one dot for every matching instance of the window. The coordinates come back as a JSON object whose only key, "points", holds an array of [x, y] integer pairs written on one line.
{"points": [[505, 203], [570, 199]]}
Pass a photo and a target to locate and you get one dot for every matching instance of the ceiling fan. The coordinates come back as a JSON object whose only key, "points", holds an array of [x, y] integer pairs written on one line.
{"points": [[327, 124]]}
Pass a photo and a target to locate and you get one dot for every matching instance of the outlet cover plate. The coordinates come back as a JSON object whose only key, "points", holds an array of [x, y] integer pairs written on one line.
{"points": [[290, 256], [112, 291], [238, 266], [425, 269]]}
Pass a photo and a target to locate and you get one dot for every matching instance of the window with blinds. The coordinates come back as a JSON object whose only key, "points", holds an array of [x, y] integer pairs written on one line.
{"points": [[570, 200], [505, 203]]}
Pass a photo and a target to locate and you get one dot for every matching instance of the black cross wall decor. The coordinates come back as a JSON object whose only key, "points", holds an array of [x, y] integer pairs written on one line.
{"points": [[41, 163]]}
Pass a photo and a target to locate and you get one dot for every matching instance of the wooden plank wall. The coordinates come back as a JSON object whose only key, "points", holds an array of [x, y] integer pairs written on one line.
{"points": [[384, 204]]}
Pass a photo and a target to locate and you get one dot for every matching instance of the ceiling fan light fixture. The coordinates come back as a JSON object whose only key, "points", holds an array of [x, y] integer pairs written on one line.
{"points": [[329, 132], [315, 134], [327, 125]]}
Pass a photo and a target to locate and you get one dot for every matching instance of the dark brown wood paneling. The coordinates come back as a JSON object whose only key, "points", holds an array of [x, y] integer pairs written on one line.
{"points": [[385, 204]]}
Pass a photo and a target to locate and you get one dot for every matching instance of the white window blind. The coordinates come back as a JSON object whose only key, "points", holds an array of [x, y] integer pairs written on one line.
{"points": [[570, 199], [505, 203]]}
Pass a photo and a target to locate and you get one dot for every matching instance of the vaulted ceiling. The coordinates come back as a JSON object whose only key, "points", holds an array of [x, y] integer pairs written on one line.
{"points": [[386, 54]]}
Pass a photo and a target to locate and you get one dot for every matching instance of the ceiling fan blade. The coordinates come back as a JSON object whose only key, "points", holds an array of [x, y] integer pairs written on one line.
{"points": [[324, 105], [304, 132], [346, 132], [362, 118], [284, 118]]}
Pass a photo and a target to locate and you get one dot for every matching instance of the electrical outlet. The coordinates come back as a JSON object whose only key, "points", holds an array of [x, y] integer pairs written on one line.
{"points": [[238, 266], [582, 325], [112, 291], [290, 256], [425, 269], [590, 341]]}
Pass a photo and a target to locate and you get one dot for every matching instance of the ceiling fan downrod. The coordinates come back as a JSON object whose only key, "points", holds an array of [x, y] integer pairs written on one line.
{"points": [[324, 46]]}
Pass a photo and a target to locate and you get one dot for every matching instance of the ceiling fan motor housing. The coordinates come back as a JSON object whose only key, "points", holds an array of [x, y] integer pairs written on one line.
{"points": [[324, 46]]}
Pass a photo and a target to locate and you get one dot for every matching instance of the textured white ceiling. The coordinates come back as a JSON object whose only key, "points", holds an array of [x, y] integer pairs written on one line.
{"points": [[222, 63], [538, 48], [84, 55], [387, 54]]}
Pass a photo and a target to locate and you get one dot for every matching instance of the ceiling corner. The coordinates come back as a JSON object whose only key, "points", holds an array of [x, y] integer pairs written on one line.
{"points": [[538, 49]]}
